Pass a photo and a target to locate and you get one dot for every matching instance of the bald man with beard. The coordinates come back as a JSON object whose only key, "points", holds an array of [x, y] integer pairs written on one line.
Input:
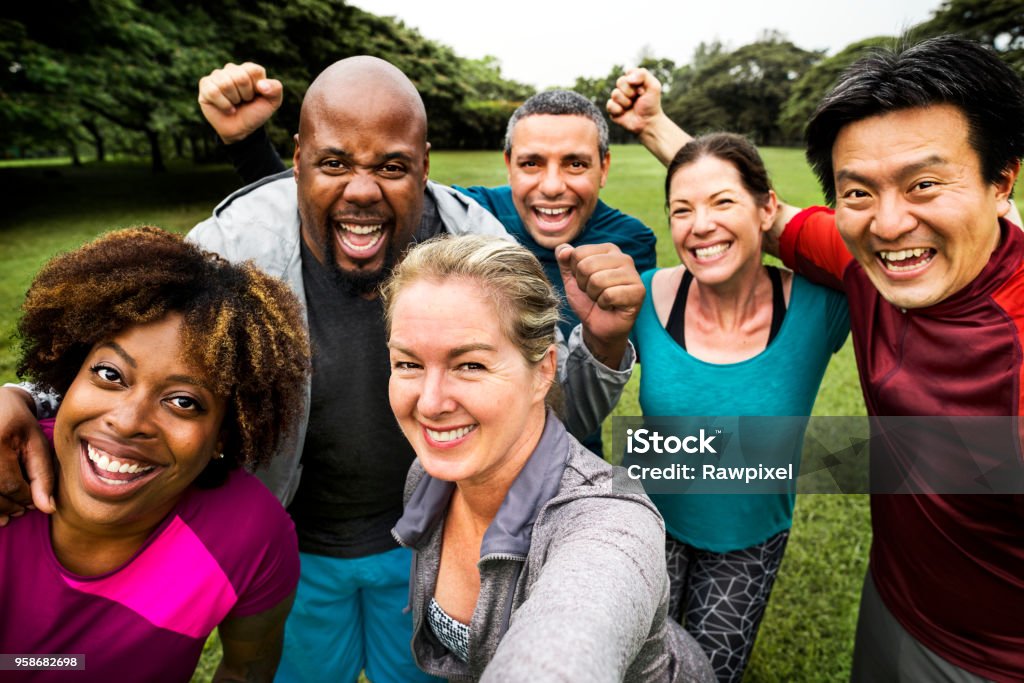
{"points": [[332, 228], [359, 197]]}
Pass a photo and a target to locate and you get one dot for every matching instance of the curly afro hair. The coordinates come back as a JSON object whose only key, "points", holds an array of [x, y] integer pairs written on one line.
{"points": [[242, 327]]}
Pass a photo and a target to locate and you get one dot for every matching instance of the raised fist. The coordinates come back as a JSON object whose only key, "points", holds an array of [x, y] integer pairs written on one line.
{"points": [[238, 99]]}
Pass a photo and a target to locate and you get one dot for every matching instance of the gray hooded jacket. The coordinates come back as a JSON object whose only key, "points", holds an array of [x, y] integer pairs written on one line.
{"points": [[573, 584]]}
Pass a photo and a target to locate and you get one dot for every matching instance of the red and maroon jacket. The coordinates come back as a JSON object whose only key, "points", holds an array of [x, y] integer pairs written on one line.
{"points": [[950, 568]]}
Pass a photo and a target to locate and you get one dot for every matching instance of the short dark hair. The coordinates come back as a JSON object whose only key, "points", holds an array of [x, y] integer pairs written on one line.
{"points": [[735, 149], [560, 103], [943, 70], [244, 328]]}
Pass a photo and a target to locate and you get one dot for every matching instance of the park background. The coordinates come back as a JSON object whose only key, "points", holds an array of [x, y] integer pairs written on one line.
{"points": [[99, 129]]}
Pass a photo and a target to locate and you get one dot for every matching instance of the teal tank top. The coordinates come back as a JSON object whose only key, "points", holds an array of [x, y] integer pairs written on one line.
{"points": [[781, 380]]}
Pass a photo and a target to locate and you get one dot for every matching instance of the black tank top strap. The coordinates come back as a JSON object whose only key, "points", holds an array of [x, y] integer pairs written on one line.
{"points": [[676, 325], [778, 302]]}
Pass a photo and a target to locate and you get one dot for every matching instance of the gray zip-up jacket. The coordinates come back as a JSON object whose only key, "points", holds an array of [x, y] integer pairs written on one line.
{"points": [[260, 222], [573, 585]]}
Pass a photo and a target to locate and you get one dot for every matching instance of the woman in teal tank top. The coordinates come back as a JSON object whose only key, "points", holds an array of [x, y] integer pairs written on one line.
{"points": [[724, 334]]}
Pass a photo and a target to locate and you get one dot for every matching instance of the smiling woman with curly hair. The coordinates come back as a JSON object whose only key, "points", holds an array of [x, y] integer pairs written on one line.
{"points": [[176, 369]]}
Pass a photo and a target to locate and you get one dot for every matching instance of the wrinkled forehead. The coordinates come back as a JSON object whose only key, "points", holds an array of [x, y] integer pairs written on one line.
{"points": [[365, 93], [706, 173], [571, 133], [905, 140], [370, 112]]}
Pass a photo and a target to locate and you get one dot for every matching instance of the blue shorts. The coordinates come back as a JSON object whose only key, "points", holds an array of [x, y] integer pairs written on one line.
{"points": [[349, 615]]}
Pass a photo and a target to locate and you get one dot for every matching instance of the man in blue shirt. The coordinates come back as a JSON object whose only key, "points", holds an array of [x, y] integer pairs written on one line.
{"points": [[556, 153]]}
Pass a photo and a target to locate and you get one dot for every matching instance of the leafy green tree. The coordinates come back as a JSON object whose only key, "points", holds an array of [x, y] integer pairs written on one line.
{"points": [[297, 40], [483, 76], [817, 81], [665, 70], [489, 104], [112, 69], [597, 91], [130, 62], [997, 23], [742, 90], [30, 113]]}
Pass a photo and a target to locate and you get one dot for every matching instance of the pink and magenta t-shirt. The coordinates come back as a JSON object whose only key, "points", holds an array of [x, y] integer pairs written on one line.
{"points": [[224, 552]]}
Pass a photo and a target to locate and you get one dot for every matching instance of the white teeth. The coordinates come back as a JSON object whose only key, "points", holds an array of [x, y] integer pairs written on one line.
{"points": [[714, 250], [552, 212], [892, 257], [902, 254], [362, 229], [450, 435], [362, 247], [105, 462]]}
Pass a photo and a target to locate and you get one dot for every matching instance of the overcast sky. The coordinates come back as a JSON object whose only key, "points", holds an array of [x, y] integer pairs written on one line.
{"points": [[551, 42]]}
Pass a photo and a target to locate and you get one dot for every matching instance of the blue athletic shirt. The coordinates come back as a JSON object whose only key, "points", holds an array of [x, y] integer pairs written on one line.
{"points": [[781, 380], [605, 225]]}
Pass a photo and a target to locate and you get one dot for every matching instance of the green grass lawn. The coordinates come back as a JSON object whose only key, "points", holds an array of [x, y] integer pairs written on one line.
{"points": [[807, 634]]}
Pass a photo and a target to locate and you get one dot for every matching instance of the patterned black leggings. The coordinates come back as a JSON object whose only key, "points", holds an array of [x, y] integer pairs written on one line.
{"points": [[720, 598]]}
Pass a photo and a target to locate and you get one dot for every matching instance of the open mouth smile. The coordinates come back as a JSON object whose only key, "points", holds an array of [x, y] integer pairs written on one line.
{"points": [[711, 251], [906, 260], [553, 219], [115, 475], [359, 240], [448, 438]]}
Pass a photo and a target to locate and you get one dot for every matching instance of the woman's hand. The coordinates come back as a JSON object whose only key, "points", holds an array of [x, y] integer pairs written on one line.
{"points": [[635, 104]]}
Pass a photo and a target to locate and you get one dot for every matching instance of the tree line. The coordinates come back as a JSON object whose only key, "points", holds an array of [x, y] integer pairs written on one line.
{"points": [[768, 89], [120, 75]]}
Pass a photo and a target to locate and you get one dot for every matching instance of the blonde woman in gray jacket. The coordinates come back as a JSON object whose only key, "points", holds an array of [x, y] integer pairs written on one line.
{"points": [[533, 560]]}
